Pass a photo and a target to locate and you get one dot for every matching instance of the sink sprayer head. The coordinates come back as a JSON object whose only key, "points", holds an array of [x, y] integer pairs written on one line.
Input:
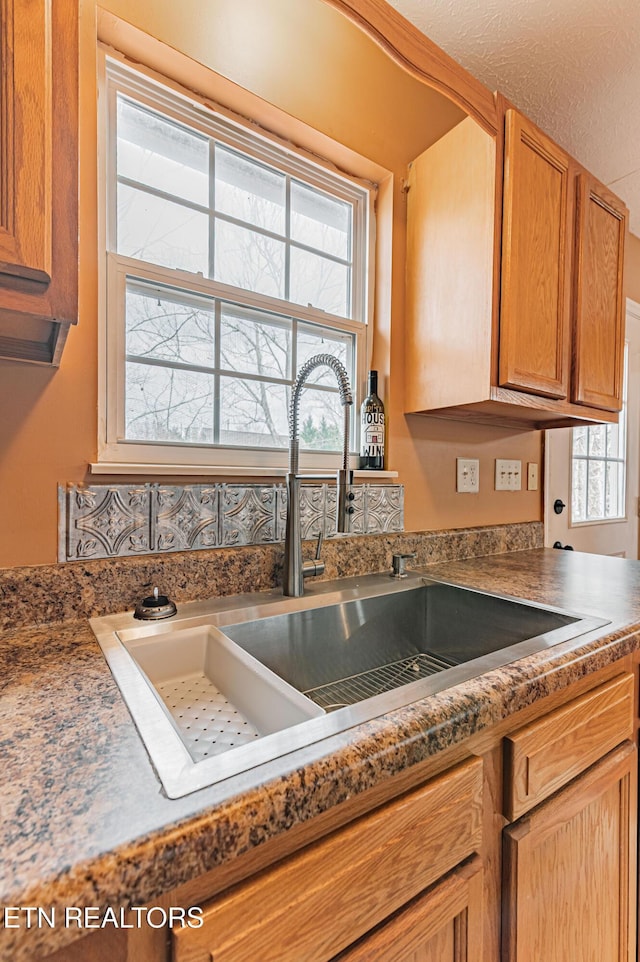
{"points": [[346, 399]]}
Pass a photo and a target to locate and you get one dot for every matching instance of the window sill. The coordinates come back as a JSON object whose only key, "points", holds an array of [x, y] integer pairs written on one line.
{"points": [[596, 521], [193, 470]]}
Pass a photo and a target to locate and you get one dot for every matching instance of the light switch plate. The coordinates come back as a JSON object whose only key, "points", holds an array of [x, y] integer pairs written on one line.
{"points": [[532, 476], [468, 475], [508, 475]]}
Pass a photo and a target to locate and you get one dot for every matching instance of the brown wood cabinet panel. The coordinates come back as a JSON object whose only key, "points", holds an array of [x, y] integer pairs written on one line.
{"points": [[38, 176], [569, 883], [536, 262], [450, 213], [25, 226], [443, 925], [545, 755], [598, 341], [316, 903]]}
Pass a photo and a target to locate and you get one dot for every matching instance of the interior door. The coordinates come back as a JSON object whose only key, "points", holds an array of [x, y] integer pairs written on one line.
{"points": [[611, 537]]}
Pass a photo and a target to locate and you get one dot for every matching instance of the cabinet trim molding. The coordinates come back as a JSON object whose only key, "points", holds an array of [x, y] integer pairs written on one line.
{"points": [[421, 57]]}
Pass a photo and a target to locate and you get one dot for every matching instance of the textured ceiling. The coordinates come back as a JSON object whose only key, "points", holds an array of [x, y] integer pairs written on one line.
{"points": [[573, 66]]}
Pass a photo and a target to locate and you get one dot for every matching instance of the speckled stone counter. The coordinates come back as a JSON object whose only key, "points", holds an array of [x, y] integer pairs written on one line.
{"points": [[85, 821], [59, 592]]}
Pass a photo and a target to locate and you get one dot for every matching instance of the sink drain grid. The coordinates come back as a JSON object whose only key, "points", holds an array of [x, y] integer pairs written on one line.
{"points": [[208, 722], [375, 681]]}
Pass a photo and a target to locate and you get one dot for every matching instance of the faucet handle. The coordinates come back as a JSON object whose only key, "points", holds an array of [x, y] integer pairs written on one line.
{"points": [[310, 569], [398, 561]]}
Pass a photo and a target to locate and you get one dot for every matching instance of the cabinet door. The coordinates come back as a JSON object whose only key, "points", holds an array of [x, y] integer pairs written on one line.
{"points": [[545, 755], [38, 176], [443, 925], [570, 870], [25, 186], [599, 302], [534, 350], [314, 904]]}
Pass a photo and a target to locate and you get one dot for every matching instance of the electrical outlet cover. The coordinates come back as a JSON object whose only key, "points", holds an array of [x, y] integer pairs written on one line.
{"points": [[467, 475]]}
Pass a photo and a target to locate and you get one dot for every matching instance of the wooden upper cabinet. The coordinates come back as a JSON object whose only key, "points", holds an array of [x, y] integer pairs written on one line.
{"points": [[599, 302], [38, 177], [514, 287], [536, 262], [25, 184]]}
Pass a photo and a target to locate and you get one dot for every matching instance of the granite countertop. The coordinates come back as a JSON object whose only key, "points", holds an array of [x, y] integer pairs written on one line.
{"points": [[85, 821]]}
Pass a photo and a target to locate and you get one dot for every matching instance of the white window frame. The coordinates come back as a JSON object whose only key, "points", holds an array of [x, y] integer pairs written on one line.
{"points": [[624, 446], [116, 454]]}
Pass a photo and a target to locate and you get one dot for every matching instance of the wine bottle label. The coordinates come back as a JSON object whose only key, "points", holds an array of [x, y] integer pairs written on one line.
{"points": [[372, 434]]}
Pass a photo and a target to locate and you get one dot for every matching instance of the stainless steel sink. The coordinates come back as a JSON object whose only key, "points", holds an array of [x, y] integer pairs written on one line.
{"points": [[344, 653], [288, 673]]}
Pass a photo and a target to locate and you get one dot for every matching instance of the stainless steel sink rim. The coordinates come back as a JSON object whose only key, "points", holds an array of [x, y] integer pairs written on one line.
{"points": [[180, 775]]}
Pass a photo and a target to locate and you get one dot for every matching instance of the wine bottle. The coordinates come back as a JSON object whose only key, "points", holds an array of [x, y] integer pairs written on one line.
{"points": [[372, 427]]}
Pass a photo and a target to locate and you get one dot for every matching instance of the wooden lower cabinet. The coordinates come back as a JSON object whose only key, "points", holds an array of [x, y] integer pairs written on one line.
{"points": [[569, 874], [442, 925], [313, 905], [524, 852], [544, 756]]}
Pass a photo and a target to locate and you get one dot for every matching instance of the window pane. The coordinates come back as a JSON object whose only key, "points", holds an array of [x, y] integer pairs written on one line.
{"points": [[254, 342], [162, 154], [213, 363], [253, 413], [164, 404], [597, 440], [579, 491], [595, 490], [249, 260], [161, 232], [614, 506], [165, 327], [319, 282], [580, 440], [250, 191], [321, 420], [320, 221], [613, 441], [314, 340]]}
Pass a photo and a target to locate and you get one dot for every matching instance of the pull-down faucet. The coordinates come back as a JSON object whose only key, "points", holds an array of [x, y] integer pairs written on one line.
{"points": [[294, 569]]}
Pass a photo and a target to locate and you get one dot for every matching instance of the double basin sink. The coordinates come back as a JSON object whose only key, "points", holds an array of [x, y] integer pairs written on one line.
{"points": [[230, 684]]}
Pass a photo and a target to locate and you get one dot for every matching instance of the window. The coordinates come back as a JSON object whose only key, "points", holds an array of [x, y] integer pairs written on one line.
{"points": [[230, 261], [598, 469]]}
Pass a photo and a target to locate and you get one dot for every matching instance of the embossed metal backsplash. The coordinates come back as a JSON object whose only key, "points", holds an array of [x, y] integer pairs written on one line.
{"points": [[117, 520]]}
